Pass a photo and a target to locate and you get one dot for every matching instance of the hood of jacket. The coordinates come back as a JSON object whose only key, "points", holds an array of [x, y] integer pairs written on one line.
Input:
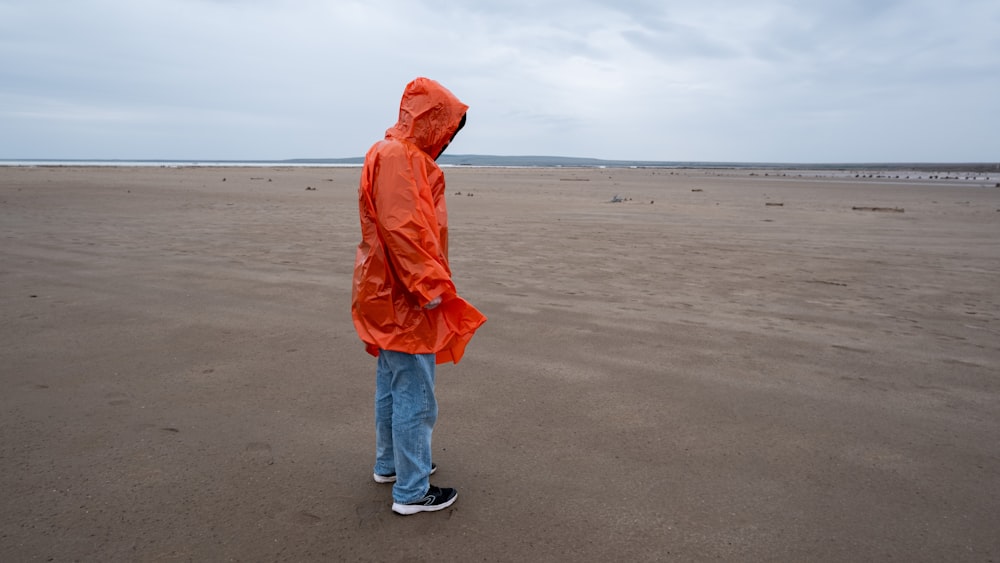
{"points": [[429, 116]]}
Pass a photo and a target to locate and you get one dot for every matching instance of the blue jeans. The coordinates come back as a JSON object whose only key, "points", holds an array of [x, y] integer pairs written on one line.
{"points": [[405, 413]]}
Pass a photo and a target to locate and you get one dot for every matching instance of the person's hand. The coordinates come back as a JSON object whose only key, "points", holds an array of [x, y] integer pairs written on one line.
{"points": [[433, 303]]}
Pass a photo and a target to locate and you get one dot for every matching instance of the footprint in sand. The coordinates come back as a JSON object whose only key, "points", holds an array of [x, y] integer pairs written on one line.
{"points": [[259, 452], [369, 513], [277, 511], [305, 518], [116, 399]]}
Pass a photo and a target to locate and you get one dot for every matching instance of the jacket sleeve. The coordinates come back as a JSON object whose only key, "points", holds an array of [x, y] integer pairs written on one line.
{"points": [[407, 223]]}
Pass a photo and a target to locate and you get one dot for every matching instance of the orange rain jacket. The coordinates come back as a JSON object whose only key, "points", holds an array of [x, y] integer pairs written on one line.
{"points": [[402, 261]]}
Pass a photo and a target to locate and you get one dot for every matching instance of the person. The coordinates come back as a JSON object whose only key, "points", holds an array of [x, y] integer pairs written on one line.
{"points": [[405, 306]]}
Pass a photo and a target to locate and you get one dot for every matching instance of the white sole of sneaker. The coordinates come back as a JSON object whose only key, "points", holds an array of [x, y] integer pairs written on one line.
{"points": [[407, 509]]}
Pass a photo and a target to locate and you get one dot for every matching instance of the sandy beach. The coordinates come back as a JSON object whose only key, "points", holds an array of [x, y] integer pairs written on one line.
{"points": [[726, 365]]}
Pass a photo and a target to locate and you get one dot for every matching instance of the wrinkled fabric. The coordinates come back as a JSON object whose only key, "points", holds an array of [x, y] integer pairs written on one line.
{"points": [[402, 261]]}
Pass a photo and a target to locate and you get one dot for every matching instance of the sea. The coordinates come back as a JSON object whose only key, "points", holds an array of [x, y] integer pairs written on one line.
{"points": [[941, 171]]}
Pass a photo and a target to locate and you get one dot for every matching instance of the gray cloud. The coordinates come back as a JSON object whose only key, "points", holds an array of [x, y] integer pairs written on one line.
{"points": [[712, 80]]}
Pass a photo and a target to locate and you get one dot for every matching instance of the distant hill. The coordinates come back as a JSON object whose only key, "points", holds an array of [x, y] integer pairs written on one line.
{"points": [[532, 161], [568, 161]]}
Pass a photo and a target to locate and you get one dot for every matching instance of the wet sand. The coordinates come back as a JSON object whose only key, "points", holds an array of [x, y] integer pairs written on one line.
{"points": [[690, 374]]}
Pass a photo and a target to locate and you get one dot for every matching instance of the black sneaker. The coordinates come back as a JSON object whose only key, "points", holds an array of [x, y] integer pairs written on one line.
{"points": [[391, 478], [435, 499]]}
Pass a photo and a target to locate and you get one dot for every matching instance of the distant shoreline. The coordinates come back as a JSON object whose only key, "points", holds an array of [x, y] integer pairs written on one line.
{"points": [[530, 162]]}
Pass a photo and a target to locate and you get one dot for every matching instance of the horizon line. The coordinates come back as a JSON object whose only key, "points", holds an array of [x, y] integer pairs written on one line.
{"points": [[540, 161]]}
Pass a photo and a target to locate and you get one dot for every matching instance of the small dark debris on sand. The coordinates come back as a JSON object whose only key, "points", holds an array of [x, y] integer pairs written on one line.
{"points": [[880, 209], [828, 282]]}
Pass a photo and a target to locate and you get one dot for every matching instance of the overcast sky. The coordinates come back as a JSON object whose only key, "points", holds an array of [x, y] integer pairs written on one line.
{"points": [[703, 80]]}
